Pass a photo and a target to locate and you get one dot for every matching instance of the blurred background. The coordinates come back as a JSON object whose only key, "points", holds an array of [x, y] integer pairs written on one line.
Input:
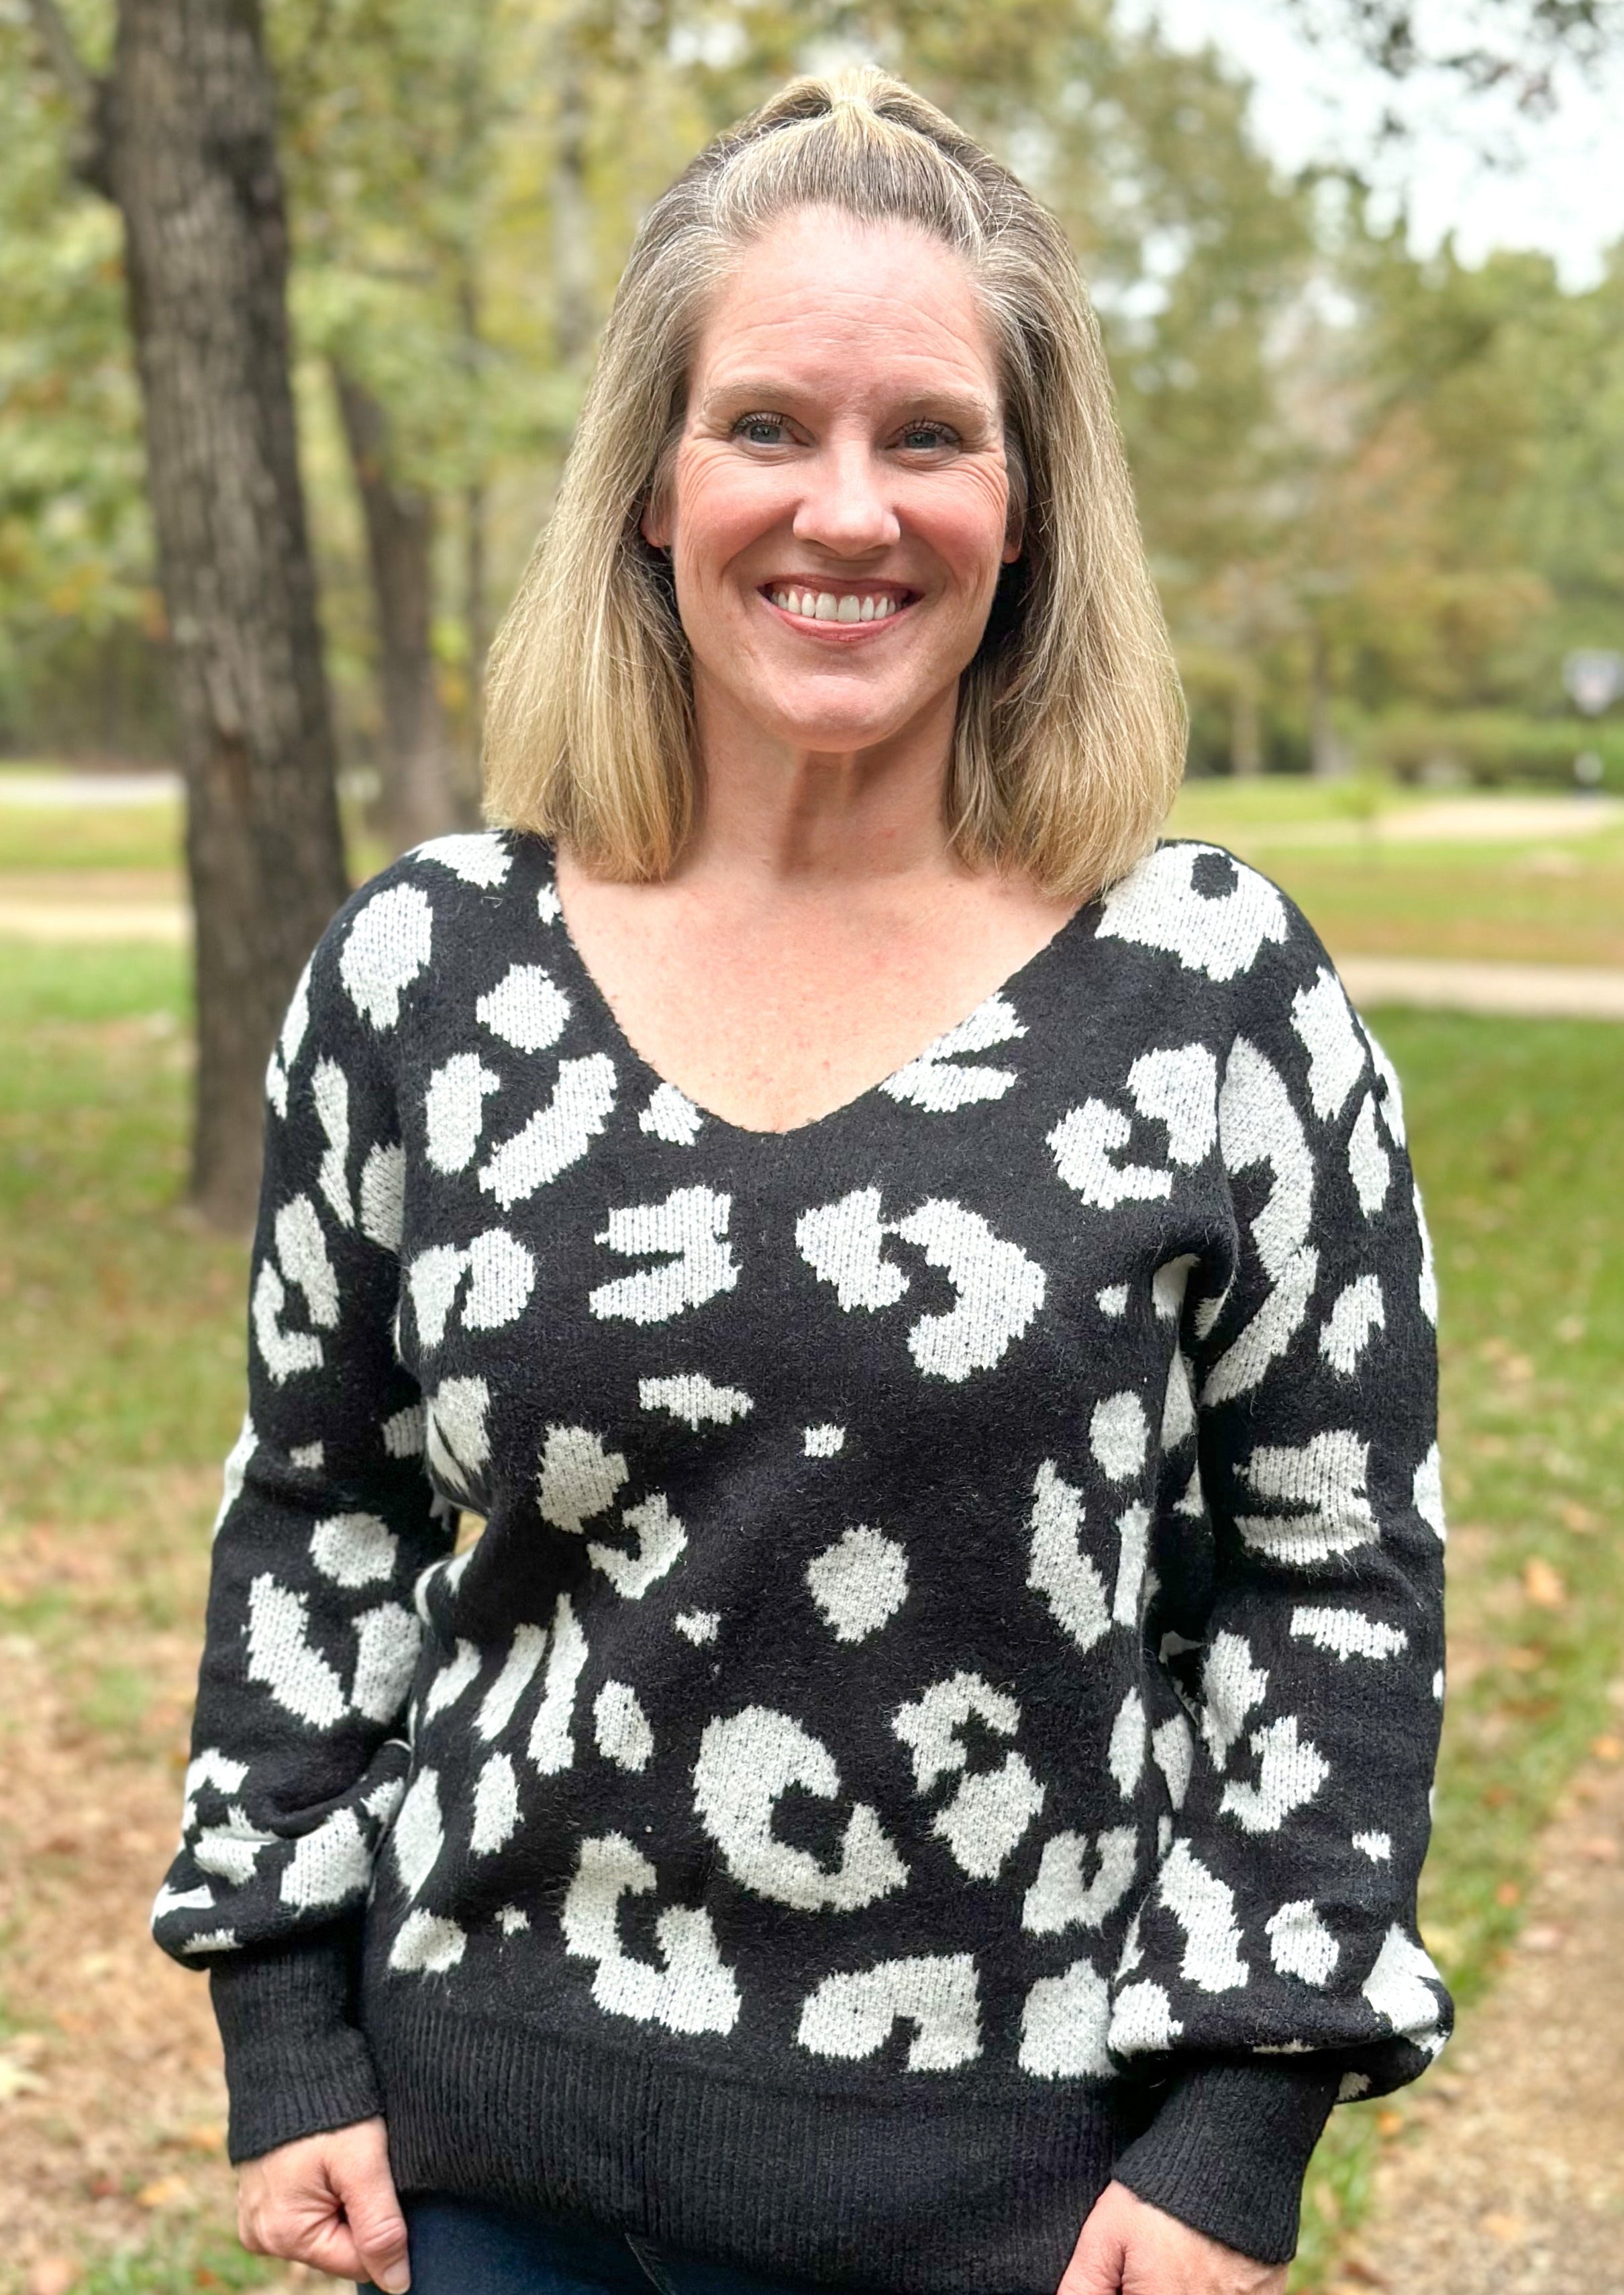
{"points": [[1361, 274]]}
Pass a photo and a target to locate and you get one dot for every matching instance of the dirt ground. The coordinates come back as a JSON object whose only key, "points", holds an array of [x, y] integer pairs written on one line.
{"points": [[1508, 2177], [112, 2107]]}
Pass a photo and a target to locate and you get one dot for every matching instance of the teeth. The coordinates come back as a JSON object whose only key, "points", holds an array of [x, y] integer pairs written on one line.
{"points": [[830, 606]]}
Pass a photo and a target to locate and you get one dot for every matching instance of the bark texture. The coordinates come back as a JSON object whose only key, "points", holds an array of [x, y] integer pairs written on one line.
{"points": [[189, 157], [420, 796]]}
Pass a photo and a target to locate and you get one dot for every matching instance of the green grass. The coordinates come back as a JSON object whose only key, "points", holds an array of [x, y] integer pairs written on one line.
{"points": [[121, 1356], [194, 2259]]}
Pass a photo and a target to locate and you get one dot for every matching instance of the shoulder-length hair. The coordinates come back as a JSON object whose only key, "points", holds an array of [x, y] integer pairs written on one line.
{"points": [[1069, 739]]}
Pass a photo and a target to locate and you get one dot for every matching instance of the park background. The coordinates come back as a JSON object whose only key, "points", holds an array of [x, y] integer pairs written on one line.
{"points": [[1383, 485]]}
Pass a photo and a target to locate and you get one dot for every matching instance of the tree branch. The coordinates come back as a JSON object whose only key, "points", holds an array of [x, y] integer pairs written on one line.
{"points": [[84, 93]]}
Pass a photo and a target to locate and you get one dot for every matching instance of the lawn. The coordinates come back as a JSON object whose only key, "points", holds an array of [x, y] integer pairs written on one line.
{"points": [[120, 1369]]}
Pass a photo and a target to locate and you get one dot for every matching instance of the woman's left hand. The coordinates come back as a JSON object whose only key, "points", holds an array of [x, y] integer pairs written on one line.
{"points": [[1129, 2248]]}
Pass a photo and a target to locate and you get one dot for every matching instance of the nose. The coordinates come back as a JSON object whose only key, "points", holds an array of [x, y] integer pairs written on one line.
{"points": [[846, 508]]}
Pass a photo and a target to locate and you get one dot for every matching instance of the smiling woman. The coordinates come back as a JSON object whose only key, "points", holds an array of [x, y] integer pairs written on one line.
{"points": [[919, 1784]]}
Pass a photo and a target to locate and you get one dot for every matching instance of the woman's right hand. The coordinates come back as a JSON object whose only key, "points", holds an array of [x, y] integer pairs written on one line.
{"points": [[328, 2200]]}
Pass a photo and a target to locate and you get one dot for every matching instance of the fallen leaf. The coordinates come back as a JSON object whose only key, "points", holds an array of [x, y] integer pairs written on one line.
{"points": [[1541, 1937], [207, 2136], [1507, 2229], [1575, 1517], [1543, 1586], [163, 2192], [54, 2275], [1608, 1749], [1389, 2123], [1600, 1848], [15, 2079], [1508, 1893]]}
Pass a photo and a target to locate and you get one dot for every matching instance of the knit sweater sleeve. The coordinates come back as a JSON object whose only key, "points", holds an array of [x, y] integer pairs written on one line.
{"points": [[327, 1519], [1275, 1964]]}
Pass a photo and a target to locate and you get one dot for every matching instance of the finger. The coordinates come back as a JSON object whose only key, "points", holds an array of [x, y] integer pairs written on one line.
{"points": [[1096, 2265], [377, 2230]]}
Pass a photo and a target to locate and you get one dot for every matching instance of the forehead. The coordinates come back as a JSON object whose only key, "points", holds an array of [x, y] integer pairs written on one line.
{"points": [[836, 303]]}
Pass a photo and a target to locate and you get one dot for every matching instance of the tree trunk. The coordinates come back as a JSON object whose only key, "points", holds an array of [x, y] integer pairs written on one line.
{"points": [[1245, 728], [1325, 758], [189, 157], [420, 794]]}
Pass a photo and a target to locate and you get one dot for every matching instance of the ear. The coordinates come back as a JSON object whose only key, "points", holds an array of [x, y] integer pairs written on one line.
{"points": [[1014, 536], [655, 524]]}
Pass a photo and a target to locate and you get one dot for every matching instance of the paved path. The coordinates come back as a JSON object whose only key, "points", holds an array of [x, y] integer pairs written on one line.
{"points": [[1442, 983], [1510, 2177]]}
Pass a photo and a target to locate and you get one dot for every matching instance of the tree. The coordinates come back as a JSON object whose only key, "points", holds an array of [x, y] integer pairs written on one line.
{"points": [[180, 134]]}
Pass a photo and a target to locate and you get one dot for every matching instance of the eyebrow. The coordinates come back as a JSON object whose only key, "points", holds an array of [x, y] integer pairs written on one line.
{"points": [[766, 391]]}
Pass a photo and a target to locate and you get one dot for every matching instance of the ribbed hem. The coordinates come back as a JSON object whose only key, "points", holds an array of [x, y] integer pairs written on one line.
{"points": [[1228, 2149], [906, 2191], [295, 2061]]}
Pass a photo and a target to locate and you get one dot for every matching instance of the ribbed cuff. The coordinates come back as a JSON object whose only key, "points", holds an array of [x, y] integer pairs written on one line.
{"points": [[295, 2061], [1228, 2149]]}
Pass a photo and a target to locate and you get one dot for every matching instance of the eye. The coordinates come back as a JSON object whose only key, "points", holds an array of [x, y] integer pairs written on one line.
{"points": [[761, 429], [923, 437]]}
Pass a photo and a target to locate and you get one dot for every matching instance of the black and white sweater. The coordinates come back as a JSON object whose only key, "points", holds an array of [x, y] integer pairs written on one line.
{"points": [[942, 1707]]}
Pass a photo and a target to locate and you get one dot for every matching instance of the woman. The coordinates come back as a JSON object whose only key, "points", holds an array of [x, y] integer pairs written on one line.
{"points": [[919, 1784]]}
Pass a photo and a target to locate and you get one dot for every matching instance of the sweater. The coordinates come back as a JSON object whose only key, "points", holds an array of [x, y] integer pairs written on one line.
{"points": [[941, 1708]]}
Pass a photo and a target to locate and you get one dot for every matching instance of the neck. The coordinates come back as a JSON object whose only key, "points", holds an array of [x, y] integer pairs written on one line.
{"points": [[806, 820]]}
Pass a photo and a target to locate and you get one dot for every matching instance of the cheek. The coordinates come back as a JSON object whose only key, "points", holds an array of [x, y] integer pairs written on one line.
{"points": [[965, 525], [720, 509]]}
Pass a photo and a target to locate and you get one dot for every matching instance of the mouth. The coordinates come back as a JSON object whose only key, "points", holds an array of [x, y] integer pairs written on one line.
{"points": [[845, 611]]}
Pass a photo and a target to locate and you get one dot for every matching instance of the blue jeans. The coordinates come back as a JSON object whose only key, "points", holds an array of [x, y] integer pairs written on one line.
{"points": [[476, 2247]]}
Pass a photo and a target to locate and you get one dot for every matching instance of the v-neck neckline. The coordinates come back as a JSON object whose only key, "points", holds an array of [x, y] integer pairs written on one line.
{"points": [[586, 981]]}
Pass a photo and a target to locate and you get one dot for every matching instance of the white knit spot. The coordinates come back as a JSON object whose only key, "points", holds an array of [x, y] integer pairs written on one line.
{"points": [[1377, 1846], [1326, 1027], [825, 1441], [478, 855], [548, 908], [280, 1655], [1204, 1906], [308, 1457], [695, 1398], [1352, 2086], [418, 1832], [671, 1116], [697, 1626], [453, 1110], [1347, 1633], [1085, 1145], [427, 1944], [1321, 1485], [383, 1194], [859, 1582], [460, 1670], [1061, 1897], [526, 1009], [459, 1446], [1426, 1279], [329, 1865], [1369, 1164], [1259, 1126], [1142, 2020], [1174, 1752], [934, 1083], [1118, 1433], [551, 1748], [1301, 1945], [578, 1477], [991, 1811], [1160, 905], [1426, 1492], [747, 1761], [1133, 1549], [495, 1806], [285, 1050], [690, 1230], [1291, 1770], [1359, 1310], [661, 1539], [1231, 1688], [620, 1726], [1000, 1291], [497, 1705], [691, 1989], [1179, 1089], [512, 1919], [330, 1092], [1113, 1300], [407, 1432], [500, 1274], [231, 1853], [840, 1244], [851, 2016], [557, 1136], [1129, 1736], [1064, 2025], [234, 1472], [1400, 1988], [1067, 1578], [353, 1549], [388, 1639], [387, 946], [1177, 1402]]}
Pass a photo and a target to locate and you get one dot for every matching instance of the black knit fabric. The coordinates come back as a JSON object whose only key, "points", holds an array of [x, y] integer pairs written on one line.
{"points": [[942, 1706]]}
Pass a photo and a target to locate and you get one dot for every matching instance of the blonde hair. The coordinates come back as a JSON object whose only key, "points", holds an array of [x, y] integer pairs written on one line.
{"points": [[1069, 740]]}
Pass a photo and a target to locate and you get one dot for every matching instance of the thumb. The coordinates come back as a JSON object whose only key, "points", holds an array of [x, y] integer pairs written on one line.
{"points": [[379, 2231], [1096, 2267]]}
